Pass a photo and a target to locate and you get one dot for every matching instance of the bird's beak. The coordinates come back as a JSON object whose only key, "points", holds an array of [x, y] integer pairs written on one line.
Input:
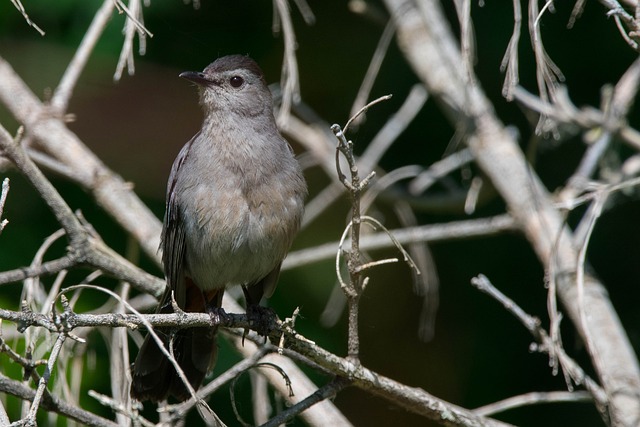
{"points": [[196, 77]]}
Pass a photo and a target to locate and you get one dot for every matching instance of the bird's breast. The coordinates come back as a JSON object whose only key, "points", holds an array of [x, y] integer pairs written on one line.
{"points": [[239, 234]]}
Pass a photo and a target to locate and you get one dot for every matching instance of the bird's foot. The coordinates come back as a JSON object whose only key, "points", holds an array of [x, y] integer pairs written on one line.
{"points": [[261, 319]]}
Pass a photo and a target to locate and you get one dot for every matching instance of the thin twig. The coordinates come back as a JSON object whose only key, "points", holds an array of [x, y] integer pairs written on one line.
{"points": [[533, 398], [27, 363], [3, 200], [372, 72], [467, 38], [62, 94], [327, 391], [33, 285], [378, 225], [376, 263], [305, 11], [547, 72], [118, 342], [354, 288], [483, 227], [439, 170], [393, 127], [289, 79], [510, 62], [179, 411], [364, 110], [343, 285], [269, 365], [44, 380], [591, 217], [133, 25], [532, 324], [20, 7], [132, 16], [120, 409]]}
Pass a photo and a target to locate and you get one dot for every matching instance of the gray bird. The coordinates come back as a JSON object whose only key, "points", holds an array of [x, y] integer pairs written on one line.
{"points": [[235, 200]]}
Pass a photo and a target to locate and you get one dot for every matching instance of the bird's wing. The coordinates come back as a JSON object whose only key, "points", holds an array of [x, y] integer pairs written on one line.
{"points": [[173, 243]]}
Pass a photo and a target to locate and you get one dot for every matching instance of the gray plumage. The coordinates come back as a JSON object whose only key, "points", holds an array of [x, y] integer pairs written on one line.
{"points": [[234, 204]]}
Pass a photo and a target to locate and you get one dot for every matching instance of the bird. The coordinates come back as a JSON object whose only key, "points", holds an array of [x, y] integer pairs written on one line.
{"points": [[234, 202]]}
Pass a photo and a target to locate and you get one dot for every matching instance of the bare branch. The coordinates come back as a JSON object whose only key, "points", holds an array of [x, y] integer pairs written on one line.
{"points": [[396, 124], [546, 344], [44, 380], [372, 71], [326, 392], [60, 209], [289, 78], [63, 92], [362, 111], [179, 411], [440, 169], [467, 37], [510, 61], [533, 398], [84, 248], [3, 200], [424, 233], [20, 7], [133, 25]]}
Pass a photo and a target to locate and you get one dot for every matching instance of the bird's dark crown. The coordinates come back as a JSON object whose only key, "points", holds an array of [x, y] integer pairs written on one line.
{"points": [[234, 62]]}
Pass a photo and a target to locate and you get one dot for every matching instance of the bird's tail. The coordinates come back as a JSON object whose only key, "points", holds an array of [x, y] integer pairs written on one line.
{"points": [[195, 350]]}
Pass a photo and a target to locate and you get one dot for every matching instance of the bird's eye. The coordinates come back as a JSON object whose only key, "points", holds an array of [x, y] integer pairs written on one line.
{"points": [[236, 81]]}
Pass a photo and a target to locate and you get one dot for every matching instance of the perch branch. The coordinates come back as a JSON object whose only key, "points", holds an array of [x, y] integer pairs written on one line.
{"points": [[413, 399]]}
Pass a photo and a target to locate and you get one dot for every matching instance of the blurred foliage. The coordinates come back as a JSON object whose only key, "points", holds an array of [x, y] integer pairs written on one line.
{"points": [[479, 353]]}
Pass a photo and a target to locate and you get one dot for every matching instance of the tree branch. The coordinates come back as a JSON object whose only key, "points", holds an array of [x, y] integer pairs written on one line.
{"points": [[429, 233]]}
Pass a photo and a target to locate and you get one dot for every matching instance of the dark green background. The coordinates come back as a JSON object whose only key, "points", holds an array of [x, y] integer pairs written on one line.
{"points": [[479, 353]]}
